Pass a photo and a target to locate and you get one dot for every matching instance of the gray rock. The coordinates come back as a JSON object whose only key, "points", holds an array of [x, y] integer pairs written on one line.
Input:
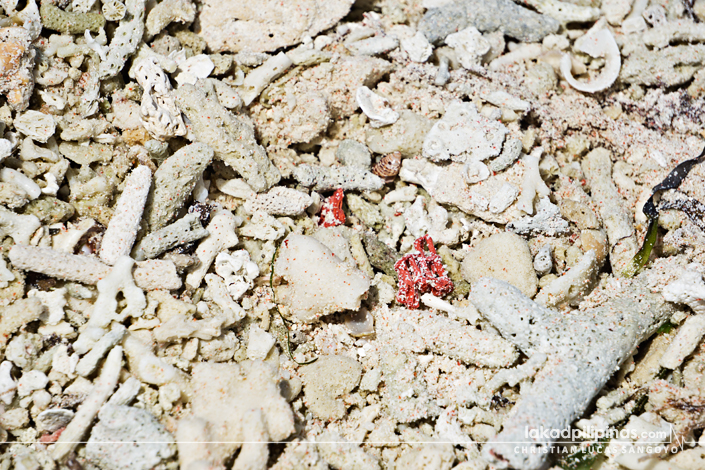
{"points": [[323, 178], [128, 438], [53, 419], [353, 153], [487, 16]]}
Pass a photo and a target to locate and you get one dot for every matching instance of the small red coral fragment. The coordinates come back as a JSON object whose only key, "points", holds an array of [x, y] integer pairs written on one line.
{"points": [[420, 273], [50, 438], [332, 210]]}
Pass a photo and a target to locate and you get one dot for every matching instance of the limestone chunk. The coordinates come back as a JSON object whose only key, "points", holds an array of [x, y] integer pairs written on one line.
{"points": [[247, 399], [17, 57], [235, 26], [504, 256], [327, 379], [127, 438], [168, 11], [463, 134], [279, 201], [38, 126], [231, 137], [320, 283], [174, 181]]}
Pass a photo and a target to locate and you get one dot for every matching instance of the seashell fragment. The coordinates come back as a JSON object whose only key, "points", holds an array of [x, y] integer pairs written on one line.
{"points": [[388, 166], [596, 44]]}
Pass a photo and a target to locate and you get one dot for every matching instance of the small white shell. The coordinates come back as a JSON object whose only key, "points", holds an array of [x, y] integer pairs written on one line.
{"points": [[375, 107], [475, 171], [596, 44]]}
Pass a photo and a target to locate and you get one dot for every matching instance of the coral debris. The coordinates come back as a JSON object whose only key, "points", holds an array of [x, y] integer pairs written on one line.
{"points": [[332, 210], [420, 273]]}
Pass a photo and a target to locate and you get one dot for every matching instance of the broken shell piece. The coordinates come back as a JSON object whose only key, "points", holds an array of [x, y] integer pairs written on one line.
{"points": [[503, 198], [158, 111], [193, 69], [417, 47], [543, 263], [596, 44], [475, 171], [375, 107]]}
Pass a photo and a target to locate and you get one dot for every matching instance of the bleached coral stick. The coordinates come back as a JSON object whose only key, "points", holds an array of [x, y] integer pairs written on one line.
{"points": [[89, 408], [584, 349], [149, 275], [123, 227]]}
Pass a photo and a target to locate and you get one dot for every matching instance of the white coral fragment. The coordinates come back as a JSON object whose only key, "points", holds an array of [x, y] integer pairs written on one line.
{"points": [[565, 11], [38, 126], [688, 289], [533, 184], [19, 227], [573, 285], [54, 301], [469, 46], [8, 385], [320, 283], [123, 226], [375, 107], [79, 425], [221, 236], [260, 77], [278, 201], [167, 12], [238, 271], [463, 133], [417, 47], [125, 40], [31, 189], [158, 111], [105, 309], [596, 44]]}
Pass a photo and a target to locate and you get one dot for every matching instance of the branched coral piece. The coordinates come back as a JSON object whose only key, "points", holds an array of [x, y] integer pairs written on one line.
{"points": [[420, 273]]}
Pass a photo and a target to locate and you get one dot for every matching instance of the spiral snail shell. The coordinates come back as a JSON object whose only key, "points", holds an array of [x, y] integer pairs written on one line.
{"points": [[388, 166]]}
